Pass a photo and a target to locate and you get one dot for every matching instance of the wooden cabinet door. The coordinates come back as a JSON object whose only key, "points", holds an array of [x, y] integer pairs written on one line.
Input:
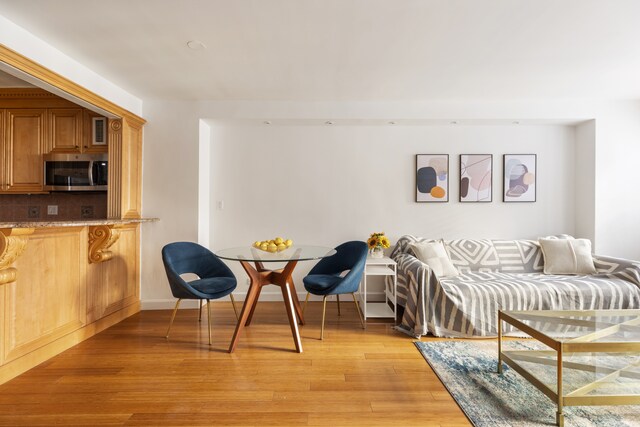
{"points": [[48, 299], [65, 130], [88, 145], [115, 283], [24, 139]]}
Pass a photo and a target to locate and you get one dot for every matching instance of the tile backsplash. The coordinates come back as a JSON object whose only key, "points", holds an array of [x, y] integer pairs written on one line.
{"points": [[38, 207]]}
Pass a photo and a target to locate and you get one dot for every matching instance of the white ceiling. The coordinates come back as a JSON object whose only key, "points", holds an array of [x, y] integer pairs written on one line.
{"points": [[357, 50]]}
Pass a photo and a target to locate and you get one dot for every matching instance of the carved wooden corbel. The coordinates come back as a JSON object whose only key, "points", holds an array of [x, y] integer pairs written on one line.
{"points": [[101, 238], [13, 241]]}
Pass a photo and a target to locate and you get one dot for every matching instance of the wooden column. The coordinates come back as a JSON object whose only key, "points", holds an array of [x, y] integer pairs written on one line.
{"points": [[125, 168]]}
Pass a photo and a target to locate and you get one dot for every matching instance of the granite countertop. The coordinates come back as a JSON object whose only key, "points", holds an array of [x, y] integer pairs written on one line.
{"points": [[72, 223]]}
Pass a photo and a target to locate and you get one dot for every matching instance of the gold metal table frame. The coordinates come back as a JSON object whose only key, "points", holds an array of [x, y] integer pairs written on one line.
{"points": [[583, 331]]}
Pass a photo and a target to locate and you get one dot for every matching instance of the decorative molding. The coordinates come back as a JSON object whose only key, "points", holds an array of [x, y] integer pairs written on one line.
{"points": [[13, 241], [21, 93], [101, 238], [114, 177]]}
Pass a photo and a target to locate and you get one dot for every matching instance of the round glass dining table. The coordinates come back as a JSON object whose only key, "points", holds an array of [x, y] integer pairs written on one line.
{"points": [[260, 276]]}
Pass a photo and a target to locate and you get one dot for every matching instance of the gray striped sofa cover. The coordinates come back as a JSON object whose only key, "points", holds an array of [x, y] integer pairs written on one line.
{"points": [[501, 274]]}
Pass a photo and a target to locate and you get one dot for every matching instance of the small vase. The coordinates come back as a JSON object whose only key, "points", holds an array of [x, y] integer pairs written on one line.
{"points": [[377, 252]]}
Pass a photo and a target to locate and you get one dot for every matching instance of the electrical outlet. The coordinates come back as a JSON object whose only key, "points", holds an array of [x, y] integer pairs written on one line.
{"points": [[86, 211], [34, 212], [52, 210]]}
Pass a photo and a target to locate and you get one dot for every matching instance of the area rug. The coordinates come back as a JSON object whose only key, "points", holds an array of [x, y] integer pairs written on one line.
{"points": [[468, 370]]}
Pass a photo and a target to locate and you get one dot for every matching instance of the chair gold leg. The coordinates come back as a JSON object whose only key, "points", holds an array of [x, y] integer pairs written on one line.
{"points": [[200, 310], [306, 300], [233, 303], [358, 309], [338, 300], [173, 316], [209, 318], [324, 309]]}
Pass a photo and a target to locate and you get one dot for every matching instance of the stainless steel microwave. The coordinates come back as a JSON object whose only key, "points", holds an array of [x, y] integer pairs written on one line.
{"points": [[76, 172]]}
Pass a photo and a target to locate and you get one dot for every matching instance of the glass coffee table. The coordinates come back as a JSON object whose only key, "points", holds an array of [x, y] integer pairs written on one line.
{"points": [[594, 356]]}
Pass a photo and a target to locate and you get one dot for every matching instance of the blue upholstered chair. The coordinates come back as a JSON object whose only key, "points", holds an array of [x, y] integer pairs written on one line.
{"points": [[325, 277], [215, 279]]}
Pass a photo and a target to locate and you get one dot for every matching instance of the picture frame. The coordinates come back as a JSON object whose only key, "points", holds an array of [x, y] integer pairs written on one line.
{"points": [[432, 178], [476, 178], [520, 176]]}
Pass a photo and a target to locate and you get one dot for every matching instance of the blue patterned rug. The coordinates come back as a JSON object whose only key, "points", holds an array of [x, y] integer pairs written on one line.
{"points": [[468, 370]]}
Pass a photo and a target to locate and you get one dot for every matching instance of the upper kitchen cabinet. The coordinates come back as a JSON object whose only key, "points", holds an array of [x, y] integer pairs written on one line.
{"points": [[23, 144], [76, 130], [65, 130], [95, 133]]}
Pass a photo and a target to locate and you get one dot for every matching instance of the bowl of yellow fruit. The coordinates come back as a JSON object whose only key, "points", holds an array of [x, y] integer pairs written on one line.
{"points": [[275, 245]]}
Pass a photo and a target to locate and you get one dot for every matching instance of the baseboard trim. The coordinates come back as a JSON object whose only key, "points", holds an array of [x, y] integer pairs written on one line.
{"points": [[169, 304]]}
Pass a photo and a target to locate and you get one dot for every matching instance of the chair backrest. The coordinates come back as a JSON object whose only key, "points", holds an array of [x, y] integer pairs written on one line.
{"points": [[349, 256], [188, 257]]}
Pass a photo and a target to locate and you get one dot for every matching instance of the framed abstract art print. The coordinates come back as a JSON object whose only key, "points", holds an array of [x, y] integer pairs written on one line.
{"points": [[432, 177], [520, 178]]}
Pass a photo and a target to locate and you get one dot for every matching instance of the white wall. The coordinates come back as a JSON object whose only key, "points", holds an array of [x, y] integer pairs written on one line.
{"points": [[172, 157], [585, 179], [329, 184]]}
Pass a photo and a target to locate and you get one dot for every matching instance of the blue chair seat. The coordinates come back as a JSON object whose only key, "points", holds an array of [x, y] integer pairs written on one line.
{"points": [[214, 287], [321, 284]]}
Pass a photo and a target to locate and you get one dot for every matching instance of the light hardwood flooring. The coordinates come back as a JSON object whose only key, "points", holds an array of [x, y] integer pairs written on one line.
{"points": [[130, 375]]}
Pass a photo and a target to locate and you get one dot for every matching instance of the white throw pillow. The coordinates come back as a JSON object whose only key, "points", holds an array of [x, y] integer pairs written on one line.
{"points": [[567, 256], [435, 256]]}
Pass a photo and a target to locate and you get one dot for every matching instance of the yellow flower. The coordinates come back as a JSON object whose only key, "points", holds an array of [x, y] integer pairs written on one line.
{"points": [[378, 240]]}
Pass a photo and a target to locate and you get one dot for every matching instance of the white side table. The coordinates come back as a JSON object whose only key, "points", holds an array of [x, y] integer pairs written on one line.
{"points": [[384, 266]]}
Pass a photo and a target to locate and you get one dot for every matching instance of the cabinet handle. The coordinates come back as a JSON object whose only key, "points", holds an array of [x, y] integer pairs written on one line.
{"points": [[77, 146]]}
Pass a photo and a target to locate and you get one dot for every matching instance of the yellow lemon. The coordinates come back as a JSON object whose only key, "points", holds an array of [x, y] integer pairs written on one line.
{"points": [[278, 240], [288, 242], [264, 246], [257, 244], [272, 247], [281, 247]]}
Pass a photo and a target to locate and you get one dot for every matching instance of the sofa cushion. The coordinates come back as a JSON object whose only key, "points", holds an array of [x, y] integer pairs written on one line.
{"points": [[567, 256], [435, 256]]}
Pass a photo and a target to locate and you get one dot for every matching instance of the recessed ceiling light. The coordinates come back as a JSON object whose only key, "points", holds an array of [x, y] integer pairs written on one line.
{"points": [[328, 122], [196, 45], [267, 122]]}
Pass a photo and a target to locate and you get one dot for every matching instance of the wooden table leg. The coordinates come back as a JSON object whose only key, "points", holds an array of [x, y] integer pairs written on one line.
{"points": [[296, 302], [253, 307], [259, 278], [252, 296], [288, 303]]}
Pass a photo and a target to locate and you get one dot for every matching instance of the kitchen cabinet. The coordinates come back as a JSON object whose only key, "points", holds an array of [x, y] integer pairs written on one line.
{"points": [[88, 145], [71, 131], [65, 130], [23, 145]]}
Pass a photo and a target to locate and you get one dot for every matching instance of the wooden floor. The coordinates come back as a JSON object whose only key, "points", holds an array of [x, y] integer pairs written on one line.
{"points": [[130, 375]]}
